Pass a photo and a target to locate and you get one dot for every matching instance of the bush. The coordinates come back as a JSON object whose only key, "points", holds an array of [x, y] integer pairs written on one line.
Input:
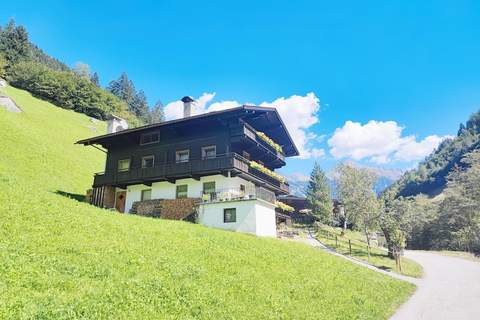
{"points": [[67, 90]]}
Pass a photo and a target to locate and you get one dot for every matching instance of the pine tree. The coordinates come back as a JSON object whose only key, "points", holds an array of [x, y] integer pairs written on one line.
{"points": [[14, 43], [123, 88], [319, 195], [95, 79], [139, 105], [156, 115]]}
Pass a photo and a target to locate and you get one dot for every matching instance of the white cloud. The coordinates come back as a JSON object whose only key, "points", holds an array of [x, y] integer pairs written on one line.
{"points": [[297, 112], [413, 150], [174, 110], [380, 142]]}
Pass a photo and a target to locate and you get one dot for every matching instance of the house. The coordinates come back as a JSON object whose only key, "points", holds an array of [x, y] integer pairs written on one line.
{"points": [[219, 164], [301, 212]]}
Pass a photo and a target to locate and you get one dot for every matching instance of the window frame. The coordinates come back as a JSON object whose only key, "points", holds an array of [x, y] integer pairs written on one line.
{"points": [[149, 156], [177, 153], [157, 133], [142, 197], [129, 164], [204, 154], [234, 220], [177, 191], [209, 182]]}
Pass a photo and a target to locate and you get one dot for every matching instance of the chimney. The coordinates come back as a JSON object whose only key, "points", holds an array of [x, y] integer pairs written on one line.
{"points": [[115, 124], [187, 106]]}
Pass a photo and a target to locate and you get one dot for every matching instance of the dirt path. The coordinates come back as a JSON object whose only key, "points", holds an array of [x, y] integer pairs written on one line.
{"points": [[449, 289]]}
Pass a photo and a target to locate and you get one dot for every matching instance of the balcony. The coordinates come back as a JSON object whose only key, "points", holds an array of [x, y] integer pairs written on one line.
{"points": [[246, 137], [194, 168], [237, 194]]}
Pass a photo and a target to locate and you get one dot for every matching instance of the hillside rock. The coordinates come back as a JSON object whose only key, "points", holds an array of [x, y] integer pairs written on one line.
{"points": [[9, 104]]}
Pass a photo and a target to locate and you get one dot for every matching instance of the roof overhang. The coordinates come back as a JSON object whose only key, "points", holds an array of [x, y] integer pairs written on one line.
{"points": [[260, 117]]}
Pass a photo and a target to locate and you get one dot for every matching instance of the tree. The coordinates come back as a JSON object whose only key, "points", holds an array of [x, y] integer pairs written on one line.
{"points": [[14, 43], [82, 69], [3, 64], [355, 190], [459, 218], [319, 195], [123, 88], [95, 79], [156, 115], [139, 105]]}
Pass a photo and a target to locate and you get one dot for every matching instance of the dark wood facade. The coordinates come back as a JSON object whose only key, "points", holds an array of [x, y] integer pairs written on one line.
{"points": [[233, 133]]}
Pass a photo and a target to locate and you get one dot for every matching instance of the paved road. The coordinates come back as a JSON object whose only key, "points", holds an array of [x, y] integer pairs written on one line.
{"points": [[449, 289]]}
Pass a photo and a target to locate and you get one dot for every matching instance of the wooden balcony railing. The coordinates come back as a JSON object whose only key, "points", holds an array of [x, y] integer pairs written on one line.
{"points": [[193, 168]]}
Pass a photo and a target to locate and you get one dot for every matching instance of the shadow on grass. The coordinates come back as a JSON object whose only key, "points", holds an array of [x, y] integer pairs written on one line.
{"points": [[385, 268], [74, 196]]}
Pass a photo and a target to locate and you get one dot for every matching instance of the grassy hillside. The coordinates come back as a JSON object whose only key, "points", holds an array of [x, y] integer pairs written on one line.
{"points": [[64, 259], [333, 238]]}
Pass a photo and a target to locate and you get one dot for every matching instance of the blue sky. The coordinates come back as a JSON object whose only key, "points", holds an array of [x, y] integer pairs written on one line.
{"points": [[404, 73]]}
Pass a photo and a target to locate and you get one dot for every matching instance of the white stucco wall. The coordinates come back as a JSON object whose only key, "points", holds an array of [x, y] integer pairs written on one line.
{"points": [[167, 190], [252, 216], [265, 219]]}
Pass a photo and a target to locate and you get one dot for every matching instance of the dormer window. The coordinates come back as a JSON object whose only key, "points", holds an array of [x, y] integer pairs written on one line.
{"points": [[150, 137]]}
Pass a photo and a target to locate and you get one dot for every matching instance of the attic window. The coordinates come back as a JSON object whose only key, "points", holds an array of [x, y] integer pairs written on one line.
{"points": [[151, 137]]}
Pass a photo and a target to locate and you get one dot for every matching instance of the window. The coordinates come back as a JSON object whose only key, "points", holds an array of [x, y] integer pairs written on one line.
{"points": [[151, 137], [146, 194], [209, 152], [148, 161], [182, 156], [123, 165], [229, 215], [246, 155], [182, 191], [209, 187]]}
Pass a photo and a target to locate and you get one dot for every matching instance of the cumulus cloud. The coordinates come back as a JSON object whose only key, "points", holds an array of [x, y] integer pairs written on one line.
{"points": [[380, 142], [174, 110], [413, 150], [299, 113]]}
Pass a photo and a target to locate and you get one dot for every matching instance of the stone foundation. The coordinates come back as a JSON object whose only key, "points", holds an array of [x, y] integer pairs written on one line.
{"points": [[172, 209]]}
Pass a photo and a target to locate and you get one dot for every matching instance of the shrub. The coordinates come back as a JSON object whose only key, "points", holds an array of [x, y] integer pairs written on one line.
{"points": [[67, 90]]}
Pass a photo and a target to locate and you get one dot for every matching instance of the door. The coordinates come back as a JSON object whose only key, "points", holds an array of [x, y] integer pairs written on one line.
{"points": [[120, 201]]}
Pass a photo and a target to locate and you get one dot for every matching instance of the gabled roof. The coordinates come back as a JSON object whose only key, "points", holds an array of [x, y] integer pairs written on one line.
{"points": [[265, 117]]}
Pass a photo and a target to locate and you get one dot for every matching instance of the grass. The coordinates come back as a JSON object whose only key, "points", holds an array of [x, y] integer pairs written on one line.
{"points": [[378, 256], [61, 258]]}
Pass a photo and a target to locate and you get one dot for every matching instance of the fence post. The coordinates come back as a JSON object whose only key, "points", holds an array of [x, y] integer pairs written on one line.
{"points": [[336, 241], [350, 246]]}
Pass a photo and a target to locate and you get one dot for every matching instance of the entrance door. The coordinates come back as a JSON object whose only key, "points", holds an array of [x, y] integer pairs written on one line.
{"points": [[120, 201]]}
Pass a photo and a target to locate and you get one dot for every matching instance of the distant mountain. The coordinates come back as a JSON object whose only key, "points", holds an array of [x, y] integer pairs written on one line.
{"points": [[386, 177], [430, 176]]}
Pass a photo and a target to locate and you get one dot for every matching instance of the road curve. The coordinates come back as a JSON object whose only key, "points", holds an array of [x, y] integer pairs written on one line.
{"points": [[449, 289]]}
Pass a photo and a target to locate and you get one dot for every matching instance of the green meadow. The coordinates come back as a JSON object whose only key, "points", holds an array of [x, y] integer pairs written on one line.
{"points": [[61, 258]]}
